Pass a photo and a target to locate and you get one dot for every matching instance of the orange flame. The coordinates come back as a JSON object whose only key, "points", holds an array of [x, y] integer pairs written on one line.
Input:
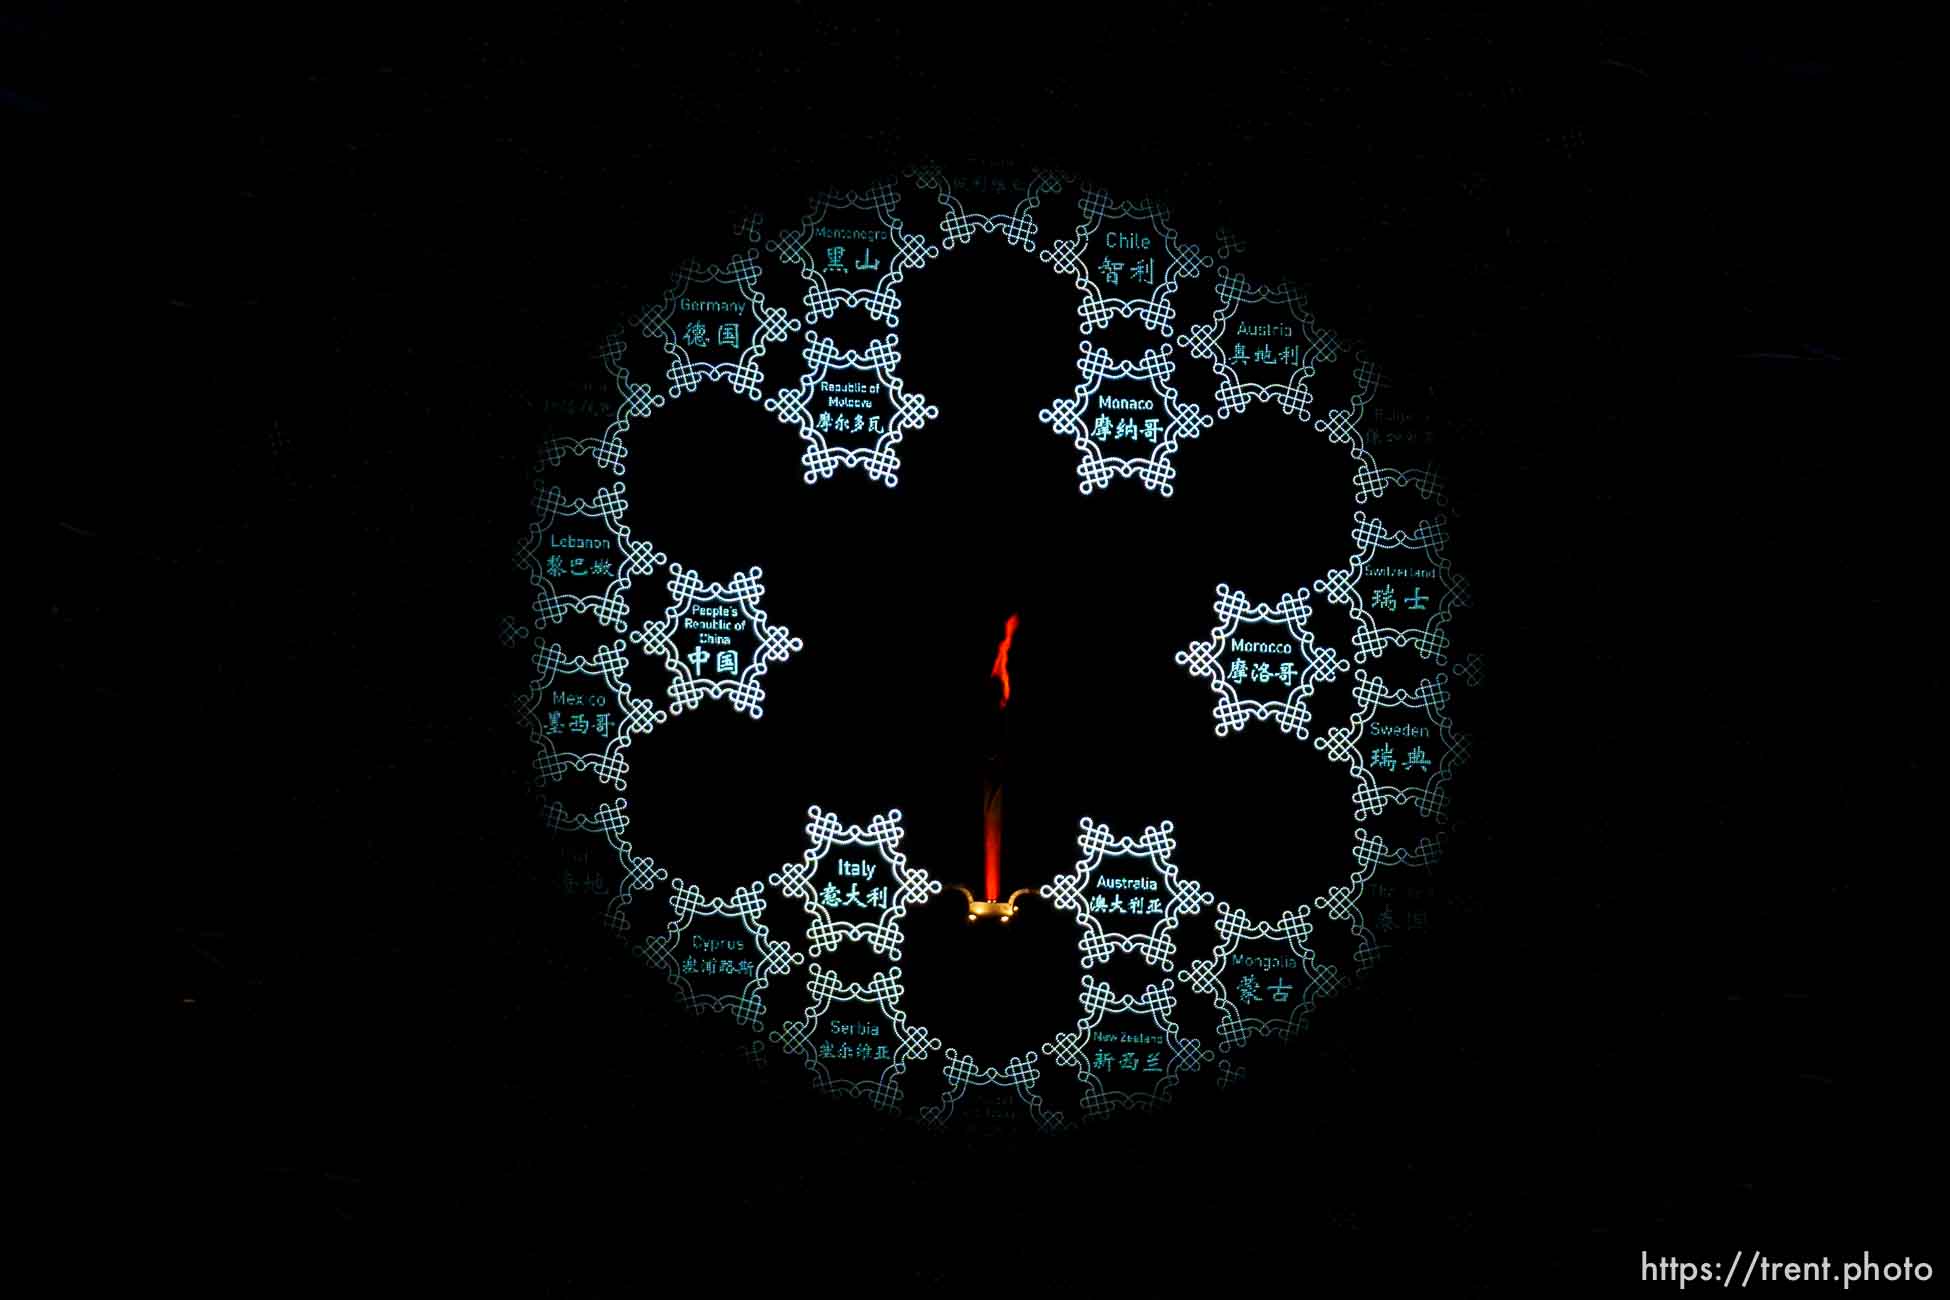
{"points": [[1001, 669]]}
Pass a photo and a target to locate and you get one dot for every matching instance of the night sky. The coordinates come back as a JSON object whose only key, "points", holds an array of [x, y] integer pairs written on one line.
{"points": [[1668, 1001]]}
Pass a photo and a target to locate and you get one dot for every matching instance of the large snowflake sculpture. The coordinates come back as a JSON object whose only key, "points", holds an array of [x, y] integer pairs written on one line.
{"points": [[807, 958]]}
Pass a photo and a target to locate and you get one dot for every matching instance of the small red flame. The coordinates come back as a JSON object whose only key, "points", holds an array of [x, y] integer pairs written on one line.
{"points": [[1001, 669]]}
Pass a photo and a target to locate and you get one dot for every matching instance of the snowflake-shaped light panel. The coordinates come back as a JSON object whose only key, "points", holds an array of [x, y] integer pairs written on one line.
{"points": [[1123, 1065], [725, 974], [1265, 355], [1387, 746], [1126, 260], [709, 617], [973, 204], [1130, 436], [853, 236], [1384, 594], [1283, 657], [852, 397], [1132, 905], [876, 881], [715, 324]]}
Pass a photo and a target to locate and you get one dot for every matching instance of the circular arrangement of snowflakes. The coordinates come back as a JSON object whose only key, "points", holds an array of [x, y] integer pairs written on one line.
{"points": [[998, 646]]}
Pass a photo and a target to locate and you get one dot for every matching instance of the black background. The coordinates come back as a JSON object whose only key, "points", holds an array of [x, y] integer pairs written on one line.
{"points": [[1669, 1001]]}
